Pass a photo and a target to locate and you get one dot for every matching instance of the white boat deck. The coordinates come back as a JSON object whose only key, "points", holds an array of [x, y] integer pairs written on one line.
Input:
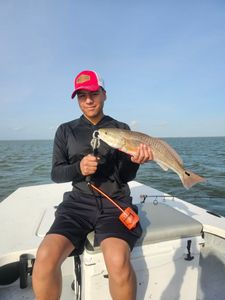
{"points": [[28, 212]]}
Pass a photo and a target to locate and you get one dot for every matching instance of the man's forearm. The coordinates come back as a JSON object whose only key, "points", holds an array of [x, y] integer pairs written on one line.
{"points": [[66, 173]]}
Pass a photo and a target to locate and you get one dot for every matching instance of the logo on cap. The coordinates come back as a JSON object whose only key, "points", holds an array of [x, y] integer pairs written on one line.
{"points": [[83, 78]]}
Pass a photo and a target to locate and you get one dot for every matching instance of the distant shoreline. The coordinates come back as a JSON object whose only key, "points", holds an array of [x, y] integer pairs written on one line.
{"points": [[167, 137], [27, 140]]}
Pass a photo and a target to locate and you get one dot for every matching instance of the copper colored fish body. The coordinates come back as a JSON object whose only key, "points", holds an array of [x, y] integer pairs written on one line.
{"points": [[163, 154]]}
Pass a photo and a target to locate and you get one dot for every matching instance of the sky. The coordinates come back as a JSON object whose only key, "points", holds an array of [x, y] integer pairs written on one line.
{"points": [[163, 63]]}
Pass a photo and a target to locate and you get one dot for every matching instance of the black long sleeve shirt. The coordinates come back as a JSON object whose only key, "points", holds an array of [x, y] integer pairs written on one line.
{"points": [[72, 143]]}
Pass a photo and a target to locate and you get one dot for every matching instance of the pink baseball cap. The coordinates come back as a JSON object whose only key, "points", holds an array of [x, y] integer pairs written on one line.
{"points": [[87, 80]]}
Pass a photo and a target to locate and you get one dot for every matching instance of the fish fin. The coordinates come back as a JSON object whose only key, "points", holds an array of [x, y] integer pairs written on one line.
{"points": [[170, 149], [163, 166], [189, 179]]}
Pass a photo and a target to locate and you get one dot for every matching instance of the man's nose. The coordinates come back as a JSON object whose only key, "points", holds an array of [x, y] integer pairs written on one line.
{"points": [[89, 98]]}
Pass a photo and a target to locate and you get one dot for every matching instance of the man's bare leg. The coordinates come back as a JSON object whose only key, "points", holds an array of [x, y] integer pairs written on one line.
{"points": [[122, 279], [47, 278]]}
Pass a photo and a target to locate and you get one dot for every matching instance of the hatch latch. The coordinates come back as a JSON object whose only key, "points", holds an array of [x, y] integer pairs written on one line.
{"points": [[189, 257]]}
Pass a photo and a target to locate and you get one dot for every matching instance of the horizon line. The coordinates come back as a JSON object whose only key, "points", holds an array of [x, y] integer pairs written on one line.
{"points": [[164, 137]]}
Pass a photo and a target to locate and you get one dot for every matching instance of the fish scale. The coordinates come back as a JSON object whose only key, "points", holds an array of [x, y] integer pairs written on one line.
{"points": [[163, 154]]}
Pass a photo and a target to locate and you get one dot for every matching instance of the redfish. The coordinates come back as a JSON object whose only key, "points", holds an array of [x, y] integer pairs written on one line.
{"points": [[163, 154]]}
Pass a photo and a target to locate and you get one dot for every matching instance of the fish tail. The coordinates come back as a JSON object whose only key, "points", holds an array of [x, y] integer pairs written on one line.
{"points": [[189, 179]]}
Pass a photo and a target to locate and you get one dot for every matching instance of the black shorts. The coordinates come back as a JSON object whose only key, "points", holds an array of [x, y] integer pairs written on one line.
{"points": [[80, 214]]}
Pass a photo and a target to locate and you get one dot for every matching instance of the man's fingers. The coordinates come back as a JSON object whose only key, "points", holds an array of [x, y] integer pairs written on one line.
{"points": [[143, 154], [89, 164]]}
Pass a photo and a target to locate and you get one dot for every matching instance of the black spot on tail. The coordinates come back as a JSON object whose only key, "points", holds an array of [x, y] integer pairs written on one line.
{"points": [[188, 174]]}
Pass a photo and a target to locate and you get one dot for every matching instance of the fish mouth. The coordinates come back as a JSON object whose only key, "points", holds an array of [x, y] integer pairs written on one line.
{"points": [[95, 134]]}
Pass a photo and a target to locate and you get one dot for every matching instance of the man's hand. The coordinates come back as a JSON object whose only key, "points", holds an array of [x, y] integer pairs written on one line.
{"points": [[89, 164], [143, 154]]}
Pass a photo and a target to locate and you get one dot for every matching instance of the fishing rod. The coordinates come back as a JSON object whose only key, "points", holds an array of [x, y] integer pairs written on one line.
{"points": [[164, 197], [170, 197]]}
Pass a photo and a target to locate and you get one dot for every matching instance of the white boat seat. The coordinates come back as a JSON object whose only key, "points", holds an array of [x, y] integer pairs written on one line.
{"points": [[159, 223]]}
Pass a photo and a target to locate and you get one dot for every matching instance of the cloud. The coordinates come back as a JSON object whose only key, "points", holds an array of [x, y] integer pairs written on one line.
{"points": [[134, 124], [18, 128]]}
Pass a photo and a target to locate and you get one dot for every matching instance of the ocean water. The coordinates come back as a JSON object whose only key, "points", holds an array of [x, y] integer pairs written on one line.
{"points": [[25, 163]]}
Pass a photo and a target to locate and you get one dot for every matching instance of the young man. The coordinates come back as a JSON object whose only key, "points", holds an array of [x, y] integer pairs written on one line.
{"points": [[82, 210]]}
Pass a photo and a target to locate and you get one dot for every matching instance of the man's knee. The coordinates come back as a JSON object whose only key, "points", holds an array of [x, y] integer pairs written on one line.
{"points": [[120, 269], [51, 253], [45, 263], [118, 260]]}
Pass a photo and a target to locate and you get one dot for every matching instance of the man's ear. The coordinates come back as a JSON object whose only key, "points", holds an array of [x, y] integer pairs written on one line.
{"points": [[105, 96]]}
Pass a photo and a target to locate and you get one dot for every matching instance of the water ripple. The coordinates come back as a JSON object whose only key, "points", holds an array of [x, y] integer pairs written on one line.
{"points": [[24, 163]]}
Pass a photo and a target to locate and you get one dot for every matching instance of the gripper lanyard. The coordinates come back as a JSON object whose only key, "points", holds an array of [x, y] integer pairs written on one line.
{"points": [[95, 143], [128, 217]]}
